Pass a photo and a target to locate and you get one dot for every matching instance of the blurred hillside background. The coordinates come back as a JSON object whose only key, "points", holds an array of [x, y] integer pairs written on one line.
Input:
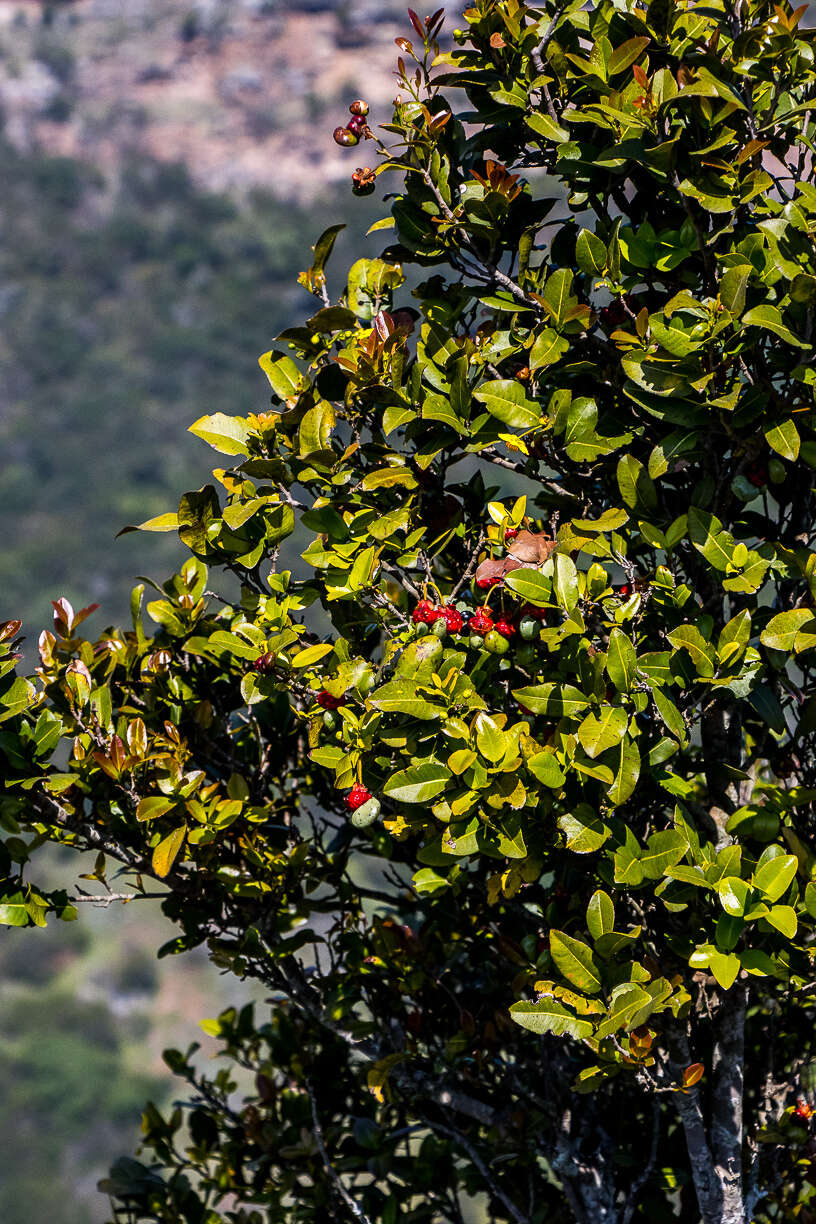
{"points": [[165, 166]]}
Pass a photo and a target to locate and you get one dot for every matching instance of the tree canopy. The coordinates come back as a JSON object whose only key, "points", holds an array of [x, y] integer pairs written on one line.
{"points": [[478, 726]]}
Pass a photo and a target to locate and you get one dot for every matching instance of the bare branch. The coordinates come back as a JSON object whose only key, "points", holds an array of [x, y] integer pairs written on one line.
{"points": [[352, 1204]]}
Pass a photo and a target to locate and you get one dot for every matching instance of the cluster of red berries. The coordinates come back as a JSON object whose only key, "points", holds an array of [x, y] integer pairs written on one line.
{"points": [[804, 1111], [265, 663], [426, 613], [356, 127], [494, 634]]}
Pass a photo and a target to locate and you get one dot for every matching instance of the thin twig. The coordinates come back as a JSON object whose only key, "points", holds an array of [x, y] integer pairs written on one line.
{"points": [[105, 900], [470, 568], [491, 1183], [353, 1206]]}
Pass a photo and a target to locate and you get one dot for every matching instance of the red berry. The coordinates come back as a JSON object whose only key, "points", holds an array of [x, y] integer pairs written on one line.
{"points": [[359, 107], [357, 796], [803, 1110], [345, 137], [453, 619], [539, 614], [327, 702], [265, 663], [481, 622], [510, 534], [624, 590], [504, 627], [357, 125], [484, 584], [758, 474], [424, 613]]}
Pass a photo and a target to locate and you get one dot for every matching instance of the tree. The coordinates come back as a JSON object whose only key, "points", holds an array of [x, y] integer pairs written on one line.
{"points": [[479, 724]]}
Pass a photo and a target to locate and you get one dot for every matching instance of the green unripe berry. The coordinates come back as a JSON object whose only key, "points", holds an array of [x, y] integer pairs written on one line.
{"points": [[529, 628], [496, 643], [329, 720], [422, 630], [366, 813], [476, 641], [439, 628]]}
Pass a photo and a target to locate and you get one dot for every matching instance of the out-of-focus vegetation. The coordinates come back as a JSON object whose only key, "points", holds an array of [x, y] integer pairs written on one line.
{"points": [[126, 311]]}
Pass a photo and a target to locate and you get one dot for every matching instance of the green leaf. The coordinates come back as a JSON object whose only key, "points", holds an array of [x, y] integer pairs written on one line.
{"points": [[625, 55], [734, 637], [284, 376], [663, 850], [162, 522], [604, 730], [226, 434], [583, 830], [490, 740], [547, 127], [724, 968], [621, 661], [545, 768], [315, 428], [153, 806], [769, 319], [708, 537], [670, 714], [505, 399], [600, 914], [556, 700], [590, 253], [167, 851], [548, 348], [733, 893], [558, 294], [389, 478], [775, 876], [784, 439], [783, 917], [14, 911], [550, 1016], [531, 585], [575, 962], [635, 484], [689, 638], [419, 783], [324, 246], [733, 287], [565, 581], [786, 630], [401, 697], [221, 640], [625, 761]]}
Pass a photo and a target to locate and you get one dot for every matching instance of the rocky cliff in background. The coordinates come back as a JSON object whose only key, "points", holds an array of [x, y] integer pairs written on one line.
{"points": [[245, 92]]}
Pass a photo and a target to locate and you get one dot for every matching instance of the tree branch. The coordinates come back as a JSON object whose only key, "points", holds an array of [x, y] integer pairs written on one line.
{"points": [[334, 1177]]}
